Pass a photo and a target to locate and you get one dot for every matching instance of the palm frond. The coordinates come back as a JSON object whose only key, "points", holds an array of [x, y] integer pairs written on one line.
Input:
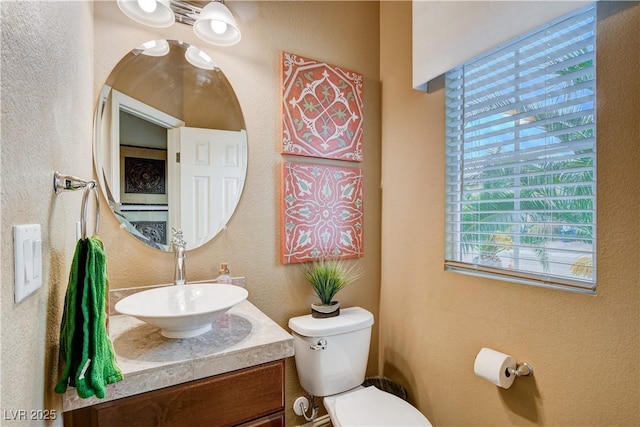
{"points": [[582, 267]]}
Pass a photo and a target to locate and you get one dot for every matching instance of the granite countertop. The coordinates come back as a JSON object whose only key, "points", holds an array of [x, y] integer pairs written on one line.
{"points": [[241, 338]]}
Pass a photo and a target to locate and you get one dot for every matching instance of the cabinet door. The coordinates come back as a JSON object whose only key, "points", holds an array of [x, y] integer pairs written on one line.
{"points": [[224, 400]]}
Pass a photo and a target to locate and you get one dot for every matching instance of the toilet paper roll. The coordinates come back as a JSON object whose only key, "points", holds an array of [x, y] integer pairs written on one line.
{"points": [[494, 366]]}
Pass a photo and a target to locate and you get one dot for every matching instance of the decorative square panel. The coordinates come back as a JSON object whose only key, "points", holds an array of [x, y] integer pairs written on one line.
{"points": [[322, 110], [322, 212]]}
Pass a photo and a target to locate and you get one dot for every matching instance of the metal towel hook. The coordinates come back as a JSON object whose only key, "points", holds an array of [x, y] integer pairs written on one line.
{"points": [[92, 186], [62, 183]]}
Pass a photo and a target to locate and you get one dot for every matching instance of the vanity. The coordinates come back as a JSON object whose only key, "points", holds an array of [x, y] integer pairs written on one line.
{"points": [[231, 375], [170, 151]]}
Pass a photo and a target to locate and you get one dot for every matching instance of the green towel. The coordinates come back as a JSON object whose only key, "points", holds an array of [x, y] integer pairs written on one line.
{"points": [[85, 347]]}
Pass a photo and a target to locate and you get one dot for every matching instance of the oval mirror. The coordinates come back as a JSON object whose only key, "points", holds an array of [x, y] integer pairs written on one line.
{"points": [[170, 144]]}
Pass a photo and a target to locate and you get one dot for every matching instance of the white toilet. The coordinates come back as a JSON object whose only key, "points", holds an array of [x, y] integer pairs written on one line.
{"points": [[331, 358]]}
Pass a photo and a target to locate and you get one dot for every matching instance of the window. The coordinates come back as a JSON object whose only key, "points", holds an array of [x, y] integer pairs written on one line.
{"points": [[520, 159]]}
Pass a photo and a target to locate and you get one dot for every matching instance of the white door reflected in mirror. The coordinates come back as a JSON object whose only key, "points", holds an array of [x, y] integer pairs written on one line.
{"points": [[207, 179]]}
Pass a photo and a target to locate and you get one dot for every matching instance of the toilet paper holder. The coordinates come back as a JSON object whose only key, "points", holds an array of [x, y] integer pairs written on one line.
{"points": [[522, 370], [499, 368]]}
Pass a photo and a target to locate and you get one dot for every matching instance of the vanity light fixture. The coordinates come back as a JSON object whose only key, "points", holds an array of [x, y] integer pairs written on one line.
{"points": [[193, 55], [217, 25], [213, 22]]}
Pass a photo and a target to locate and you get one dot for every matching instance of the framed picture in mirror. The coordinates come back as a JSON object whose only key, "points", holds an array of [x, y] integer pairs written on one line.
{"points": [[143, 179]]}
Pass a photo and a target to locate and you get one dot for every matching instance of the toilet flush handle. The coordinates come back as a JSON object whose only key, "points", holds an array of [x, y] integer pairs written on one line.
{"points": [[322, 344]]}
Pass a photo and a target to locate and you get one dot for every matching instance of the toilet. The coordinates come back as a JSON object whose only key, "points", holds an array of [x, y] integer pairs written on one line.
{"points": [[331, 359]]}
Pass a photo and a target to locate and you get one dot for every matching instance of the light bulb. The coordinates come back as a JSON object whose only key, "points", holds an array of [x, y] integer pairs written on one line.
{"points": [[218, 27], [148, 6]]}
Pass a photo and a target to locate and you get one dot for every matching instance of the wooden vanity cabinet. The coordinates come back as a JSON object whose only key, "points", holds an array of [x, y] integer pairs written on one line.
{"points": [[250, 397]]}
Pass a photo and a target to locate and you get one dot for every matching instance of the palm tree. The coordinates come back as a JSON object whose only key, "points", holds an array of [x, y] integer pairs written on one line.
{"points": [[497, 209]]}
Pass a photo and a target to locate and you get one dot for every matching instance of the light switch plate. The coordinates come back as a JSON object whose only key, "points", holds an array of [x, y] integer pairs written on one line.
{"points": [[27, 252]]}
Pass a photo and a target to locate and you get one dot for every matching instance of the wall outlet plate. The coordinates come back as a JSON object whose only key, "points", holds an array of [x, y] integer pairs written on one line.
{"points": [[27, 252]]}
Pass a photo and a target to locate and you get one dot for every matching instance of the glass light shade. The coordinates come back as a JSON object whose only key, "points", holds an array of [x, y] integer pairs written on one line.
{"points": [[154, 48], [198, 58], [161, 17], [217, 15]]}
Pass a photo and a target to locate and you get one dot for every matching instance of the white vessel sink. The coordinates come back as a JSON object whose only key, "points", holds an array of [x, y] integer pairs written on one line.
{"points": [[182, 311]]}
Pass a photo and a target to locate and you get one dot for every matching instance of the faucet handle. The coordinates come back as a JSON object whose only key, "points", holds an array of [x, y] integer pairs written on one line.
{"points": [[178, 238]]}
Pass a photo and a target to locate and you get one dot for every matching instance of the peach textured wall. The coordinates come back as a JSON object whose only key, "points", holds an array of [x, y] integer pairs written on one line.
{"points": [[47, 102], [340, 33], [432, 323]]}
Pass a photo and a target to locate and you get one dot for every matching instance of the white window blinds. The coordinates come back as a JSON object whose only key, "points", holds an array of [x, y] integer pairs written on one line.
{"points": [[520, 153]]}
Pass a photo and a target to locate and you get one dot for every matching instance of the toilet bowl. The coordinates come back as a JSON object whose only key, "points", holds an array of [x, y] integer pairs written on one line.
{"points": [[371, 407], [331, 358]]}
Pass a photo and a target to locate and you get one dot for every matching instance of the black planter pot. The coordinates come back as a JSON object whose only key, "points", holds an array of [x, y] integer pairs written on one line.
{"points": [[321, 311]]}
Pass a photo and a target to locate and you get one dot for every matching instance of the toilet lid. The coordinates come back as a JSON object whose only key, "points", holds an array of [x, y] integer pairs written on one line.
{"points": [[373, 407]]}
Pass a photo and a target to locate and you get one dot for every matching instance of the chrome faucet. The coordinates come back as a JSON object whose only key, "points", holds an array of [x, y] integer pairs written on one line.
{"points": [[180, 255]]}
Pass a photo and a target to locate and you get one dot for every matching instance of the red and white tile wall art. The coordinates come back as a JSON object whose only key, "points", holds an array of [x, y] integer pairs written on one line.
{"points": [[322, 212], [322, 110]]}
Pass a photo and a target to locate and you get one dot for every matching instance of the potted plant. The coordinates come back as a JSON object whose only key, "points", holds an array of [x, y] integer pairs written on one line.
{"points": [[327, 277]]}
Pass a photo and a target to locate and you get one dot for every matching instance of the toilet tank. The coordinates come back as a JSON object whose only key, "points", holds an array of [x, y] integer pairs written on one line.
{"points": [[340, 363]]}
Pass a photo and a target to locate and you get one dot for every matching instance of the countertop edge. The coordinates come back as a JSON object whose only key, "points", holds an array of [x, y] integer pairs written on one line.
{"points": [[272, 343]]}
